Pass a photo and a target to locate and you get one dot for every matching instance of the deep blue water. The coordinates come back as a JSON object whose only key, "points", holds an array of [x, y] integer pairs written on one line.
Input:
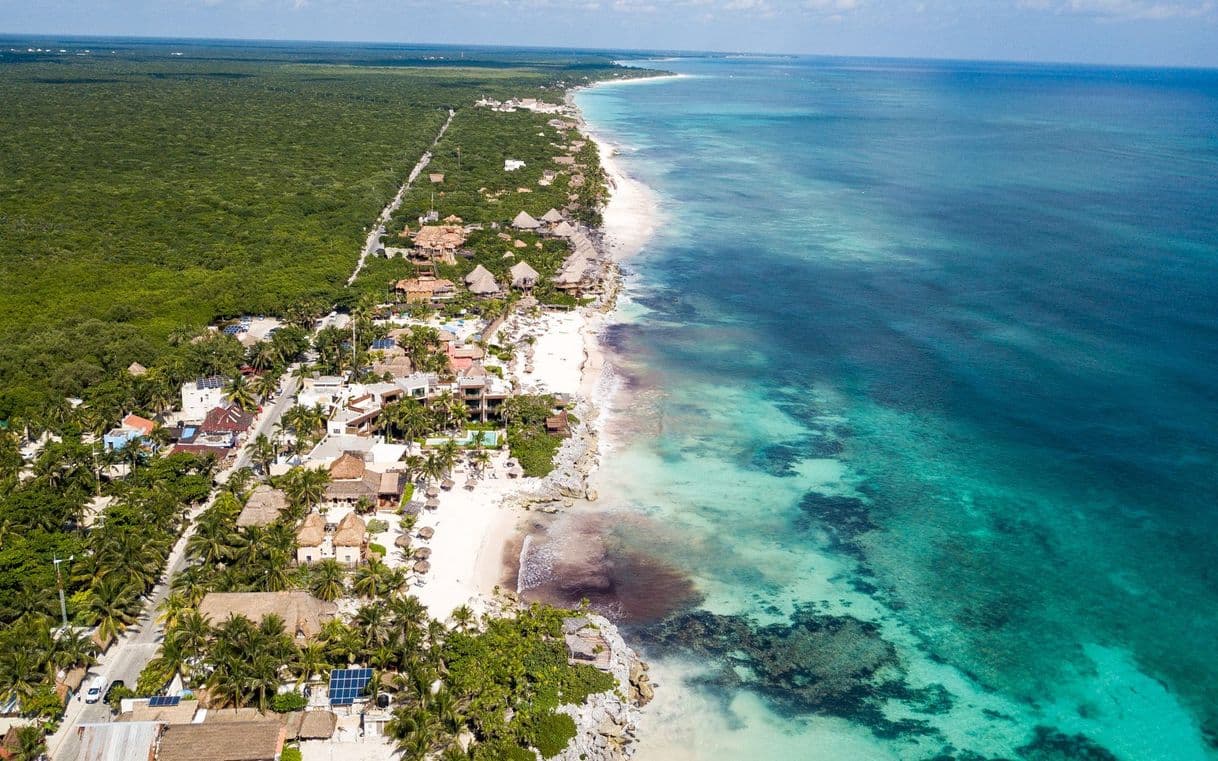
{"points": [[922, 404]]}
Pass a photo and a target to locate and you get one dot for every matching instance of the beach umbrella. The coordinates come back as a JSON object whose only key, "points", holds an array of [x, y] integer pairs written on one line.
{"points": [[402, 541], [422, 553], [422, 566], [433, 503], [447, 484], [470, 484], [427, 532], [432, 491]]}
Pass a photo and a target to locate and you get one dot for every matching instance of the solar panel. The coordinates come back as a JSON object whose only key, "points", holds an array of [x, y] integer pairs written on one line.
{"points": [[164, 701], [214, 381], [384, 343], [348, 684]]}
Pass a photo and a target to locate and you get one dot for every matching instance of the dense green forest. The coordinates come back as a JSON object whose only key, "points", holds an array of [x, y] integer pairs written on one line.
{"points": [[140, 194]]}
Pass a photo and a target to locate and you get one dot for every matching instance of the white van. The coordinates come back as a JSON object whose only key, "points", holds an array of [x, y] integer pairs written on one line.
{"points": [[93, 692]]}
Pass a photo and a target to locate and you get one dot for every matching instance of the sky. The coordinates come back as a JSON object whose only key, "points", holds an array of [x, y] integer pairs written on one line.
{"points": [[1144, 32]]}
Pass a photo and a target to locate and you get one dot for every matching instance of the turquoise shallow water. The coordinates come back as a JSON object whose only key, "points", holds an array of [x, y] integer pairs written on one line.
{"points": [[914, 455]]}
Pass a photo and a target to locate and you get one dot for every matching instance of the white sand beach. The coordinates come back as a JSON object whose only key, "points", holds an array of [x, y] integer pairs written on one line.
{"points": [[473, 527]]}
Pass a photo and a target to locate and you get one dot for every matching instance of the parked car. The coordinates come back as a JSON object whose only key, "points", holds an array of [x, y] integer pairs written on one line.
{"points": [[93, 692]]}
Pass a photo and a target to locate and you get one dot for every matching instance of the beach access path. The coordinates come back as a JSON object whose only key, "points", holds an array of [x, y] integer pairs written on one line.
{"points": [[378, 231]]}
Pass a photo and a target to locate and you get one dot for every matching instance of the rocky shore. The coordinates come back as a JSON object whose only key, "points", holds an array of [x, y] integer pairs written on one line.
{"points": [[606, 723]]}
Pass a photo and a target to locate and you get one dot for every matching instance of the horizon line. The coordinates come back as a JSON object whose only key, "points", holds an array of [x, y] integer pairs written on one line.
{"points": [[643, 53]]}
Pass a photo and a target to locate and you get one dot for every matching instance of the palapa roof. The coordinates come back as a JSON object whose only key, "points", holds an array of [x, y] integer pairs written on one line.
{"points": [[429, 285], [475, 370], [552, 216], [477, 274], [236, 741], [440, 236], [136, 369], [481, 282], [427, 532], [524, 221], [523, 275], [349, 466], [402, 541], [350, 532], [263, 507], [312, 531], [317, 725], [564, 230], [302, 613]]}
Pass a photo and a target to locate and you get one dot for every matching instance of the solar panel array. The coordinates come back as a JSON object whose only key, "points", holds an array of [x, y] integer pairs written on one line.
{"points": [[348, 684], [214, 381], [384, 343], [164, 701]]}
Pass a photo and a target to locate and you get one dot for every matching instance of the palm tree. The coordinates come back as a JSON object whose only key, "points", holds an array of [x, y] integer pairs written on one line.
{"points": [[447, 452], [326, 580], [480, 459], [311, 661], [370, 579], [238, 392], [433, 467], [112, 604], [463, 617], [265, 385], [31, 744], [263, 451], [306, 487]]}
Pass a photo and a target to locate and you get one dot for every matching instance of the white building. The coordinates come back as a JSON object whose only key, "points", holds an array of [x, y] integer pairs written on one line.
{"points": [[201, 396], [511, 165]]}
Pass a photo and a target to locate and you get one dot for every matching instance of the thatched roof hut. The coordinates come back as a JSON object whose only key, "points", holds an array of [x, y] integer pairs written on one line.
{"points": [[317, 725], [350, 532], [348, 467], [240, 741], [524, 221], [136, 370], [302, 613], [552, 216], [481, 282], [563, 230], [524, 277], [312, 531], [263, 507]]}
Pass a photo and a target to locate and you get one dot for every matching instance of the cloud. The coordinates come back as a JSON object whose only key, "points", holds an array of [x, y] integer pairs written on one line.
{"points": [[1124, 9]]}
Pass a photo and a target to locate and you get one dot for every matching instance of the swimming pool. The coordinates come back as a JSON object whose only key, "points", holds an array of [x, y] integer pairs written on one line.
{"points": [[489, 439]]}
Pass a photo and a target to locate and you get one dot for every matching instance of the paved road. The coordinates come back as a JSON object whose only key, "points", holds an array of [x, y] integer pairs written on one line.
{"points": [[131, 653]]}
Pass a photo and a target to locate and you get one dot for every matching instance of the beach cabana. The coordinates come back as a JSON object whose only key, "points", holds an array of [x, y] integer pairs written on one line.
{"points": [[481, 282], [524, 277], [426, 533], [524, 221]]}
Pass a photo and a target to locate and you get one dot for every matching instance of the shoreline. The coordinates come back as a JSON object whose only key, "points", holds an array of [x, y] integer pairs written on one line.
{"points": [[486, 578]]}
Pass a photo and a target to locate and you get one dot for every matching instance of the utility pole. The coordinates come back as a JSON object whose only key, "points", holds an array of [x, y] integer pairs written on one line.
{"points": [[63, 605]]}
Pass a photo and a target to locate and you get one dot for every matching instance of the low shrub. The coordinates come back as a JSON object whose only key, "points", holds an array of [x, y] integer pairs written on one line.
{"points": [[286, 702]]}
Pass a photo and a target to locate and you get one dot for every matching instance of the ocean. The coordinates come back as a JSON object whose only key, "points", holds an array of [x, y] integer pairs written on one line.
{"points": [[913, 450]]}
